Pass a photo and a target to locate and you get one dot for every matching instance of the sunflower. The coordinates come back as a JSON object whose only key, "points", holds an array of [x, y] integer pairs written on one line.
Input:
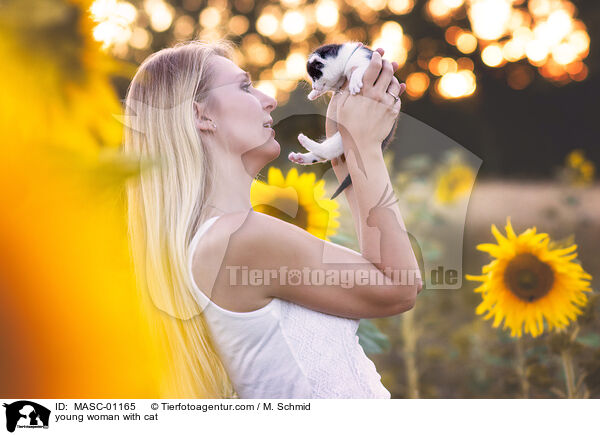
{"points": [[528, 281], [297, 199], [58, 132], [579, 170], [453, 183]]}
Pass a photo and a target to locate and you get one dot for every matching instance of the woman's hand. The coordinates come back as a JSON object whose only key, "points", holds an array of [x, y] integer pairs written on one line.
{"points": [[369, 116], [339, 163]]}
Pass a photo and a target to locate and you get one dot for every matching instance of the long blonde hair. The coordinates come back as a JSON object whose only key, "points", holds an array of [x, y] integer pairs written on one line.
{"points": [[167, 203]]}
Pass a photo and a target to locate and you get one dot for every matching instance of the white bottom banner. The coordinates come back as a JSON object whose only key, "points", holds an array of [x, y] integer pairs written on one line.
{"points": [[157, 416]]}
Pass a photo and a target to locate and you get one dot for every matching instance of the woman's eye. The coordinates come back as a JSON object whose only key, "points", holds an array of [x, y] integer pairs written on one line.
{"points": [[247, 85]]}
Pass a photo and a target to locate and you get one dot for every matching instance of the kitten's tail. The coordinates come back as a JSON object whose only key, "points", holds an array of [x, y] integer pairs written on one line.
{"points": [[347, 182], [384, 146]]}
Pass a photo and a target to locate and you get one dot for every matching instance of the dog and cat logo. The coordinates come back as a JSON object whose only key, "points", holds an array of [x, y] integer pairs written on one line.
{"points": [[24, 414]]}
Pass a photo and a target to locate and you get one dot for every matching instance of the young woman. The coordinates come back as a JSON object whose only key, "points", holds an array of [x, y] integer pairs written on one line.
{"points": [[195, 112]]}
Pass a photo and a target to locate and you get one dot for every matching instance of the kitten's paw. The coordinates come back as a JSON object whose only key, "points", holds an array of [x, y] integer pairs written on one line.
{"points": [[303, 159], [355, 86], [298, 158], [293, 157]]}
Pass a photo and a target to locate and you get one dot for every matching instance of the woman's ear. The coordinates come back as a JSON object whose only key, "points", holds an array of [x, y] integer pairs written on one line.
{"points": [[202, 122]]}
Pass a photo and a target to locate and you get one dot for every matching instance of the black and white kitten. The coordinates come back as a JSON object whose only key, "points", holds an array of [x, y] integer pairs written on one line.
{"points": [[328, 67]]}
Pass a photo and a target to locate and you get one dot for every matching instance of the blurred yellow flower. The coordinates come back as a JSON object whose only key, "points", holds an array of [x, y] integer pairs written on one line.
{"points": [[529, 281], [575, 158], [64, 81], [579, 170], [388, 158], [297, 199], [454, 182], [60, 137]]}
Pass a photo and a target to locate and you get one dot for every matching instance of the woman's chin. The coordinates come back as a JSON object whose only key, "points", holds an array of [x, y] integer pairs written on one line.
{"points": [[258, 157], [274, 149]]}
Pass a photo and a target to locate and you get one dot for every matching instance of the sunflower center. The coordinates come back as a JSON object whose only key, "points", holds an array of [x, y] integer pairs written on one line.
{"points": [[528, 277]]}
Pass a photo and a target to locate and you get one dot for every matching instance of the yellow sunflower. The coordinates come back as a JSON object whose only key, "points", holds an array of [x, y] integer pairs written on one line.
{"points": [[529, 281], [580, 171], [297, 199], [57, 107], [453, 183]]}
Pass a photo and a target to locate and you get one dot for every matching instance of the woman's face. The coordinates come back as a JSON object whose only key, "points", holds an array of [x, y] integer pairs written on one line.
{"points": [[239, 111]]}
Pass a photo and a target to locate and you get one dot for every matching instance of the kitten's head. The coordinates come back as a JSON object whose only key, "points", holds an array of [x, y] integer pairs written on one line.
{"points": [[324, 68]]}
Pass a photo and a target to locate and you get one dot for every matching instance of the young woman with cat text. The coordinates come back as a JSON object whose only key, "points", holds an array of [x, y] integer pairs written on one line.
{"points": [[195, 114]]}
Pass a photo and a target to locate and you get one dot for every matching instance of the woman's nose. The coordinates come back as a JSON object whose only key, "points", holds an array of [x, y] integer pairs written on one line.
{"points": [[271, 103]]}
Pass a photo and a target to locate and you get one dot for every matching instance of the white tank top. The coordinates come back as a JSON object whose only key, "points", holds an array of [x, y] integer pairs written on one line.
{"points": [[287, 351]]}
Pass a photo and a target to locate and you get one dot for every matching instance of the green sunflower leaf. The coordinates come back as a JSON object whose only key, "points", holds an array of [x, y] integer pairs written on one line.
{"points": [[371, 338], [590, 340], [342, 239]]}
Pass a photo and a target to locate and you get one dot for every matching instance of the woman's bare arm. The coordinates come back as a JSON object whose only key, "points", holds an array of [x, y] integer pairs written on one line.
{"points": [[289, 257], [339, 165], [384, 241], [340, 168]]}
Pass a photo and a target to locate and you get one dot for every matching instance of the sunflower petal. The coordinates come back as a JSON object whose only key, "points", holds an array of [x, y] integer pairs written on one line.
{"points": [[509, 229], [503, 241], [538, 237], [292, 178], [275, 177], [491, 248], [475, 277], [482, 308], [564, 251]]}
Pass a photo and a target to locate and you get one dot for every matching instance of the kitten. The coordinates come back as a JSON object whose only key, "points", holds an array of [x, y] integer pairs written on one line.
{"points": [[328, 67]]}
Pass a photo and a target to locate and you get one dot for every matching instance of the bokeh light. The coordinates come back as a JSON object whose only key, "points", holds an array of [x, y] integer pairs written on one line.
{"points": [[542, 35], [400, 7], [456, 84], [489, 18], [416, 84], [160, 13], [492, 55], [466, 42]]}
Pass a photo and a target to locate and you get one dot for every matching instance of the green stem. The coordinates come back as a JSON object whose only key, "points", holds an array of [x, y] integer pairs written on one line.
{"points": [[567, 362], [522, 369], [410, 335]]}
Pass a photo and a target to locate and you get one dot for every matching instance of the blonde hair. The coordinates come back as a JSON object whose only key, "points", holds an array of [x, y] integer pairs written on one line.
{"points": [[167, 203]]}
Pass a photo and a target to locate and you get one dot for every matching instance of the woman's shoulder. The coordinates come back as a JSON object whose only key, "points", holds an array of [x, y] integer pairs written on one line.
{"points": [[252, 226], [225, 247], [252, 239], [242, 238]]}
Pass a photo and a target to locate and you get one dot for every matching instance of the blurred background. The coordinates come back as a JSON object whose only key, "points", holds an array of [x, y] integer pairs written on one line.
{"points": [[510, 86]]}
